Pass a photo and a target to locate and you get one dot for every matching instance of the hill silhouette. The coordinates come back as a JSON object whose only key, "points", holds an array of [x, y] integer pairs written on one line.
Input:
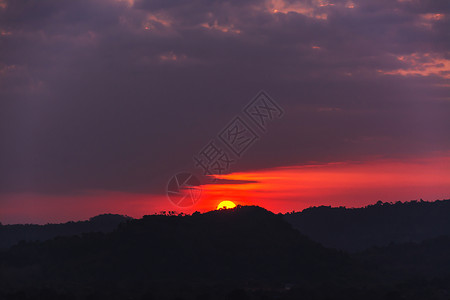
{"points": [[349, 229], [12, 234], [356, 229], [242, 253], [245, 244]]}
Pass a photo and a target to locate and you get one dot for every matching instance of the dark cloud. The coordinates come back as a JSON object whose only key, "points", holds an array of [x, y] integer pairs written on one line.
{"points": [[118, 95]]}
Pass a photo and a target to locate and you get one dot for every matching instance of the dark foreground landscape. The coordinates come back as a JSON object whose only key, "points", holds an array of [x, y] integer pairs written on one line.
{"points": [[383, 251]]}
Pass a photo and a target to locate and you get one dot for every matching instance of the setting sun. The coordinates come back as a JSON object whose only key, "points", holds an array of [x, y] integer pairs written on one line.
{"points": [[226, 205]]}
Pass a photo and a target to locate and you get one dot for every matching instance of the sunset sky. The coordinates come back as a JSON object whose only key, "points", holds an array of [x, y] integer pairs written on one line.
{"points": [[103, 101]]}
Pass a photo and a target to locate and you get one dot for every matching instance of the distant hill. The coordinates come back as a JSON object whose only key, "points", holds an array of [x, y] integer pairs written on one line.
{"points": [[357, 229], [12, 234]]}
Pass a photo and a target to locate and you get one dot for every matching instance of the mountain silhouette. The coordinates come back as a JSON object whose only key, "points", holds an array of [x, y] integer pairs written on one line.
{"points": [[238, 245], [241, 253], [356, 229], [12, 234]]}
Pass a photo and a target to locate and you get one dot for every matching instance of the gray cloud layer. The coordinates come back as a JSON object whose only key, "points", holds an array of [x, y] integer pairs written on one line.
{"points": [[119, 95]]}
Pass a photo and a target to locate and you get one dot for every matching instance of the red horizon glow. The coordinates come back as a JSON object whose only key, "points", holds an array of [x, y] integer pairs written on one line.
{"points": [[350, 184], [283, 189]]}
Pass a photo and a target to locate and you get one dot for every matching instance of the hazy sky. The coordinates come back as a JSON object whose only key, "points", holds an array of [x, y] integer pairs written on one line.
{"points": [[102, 101]]}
